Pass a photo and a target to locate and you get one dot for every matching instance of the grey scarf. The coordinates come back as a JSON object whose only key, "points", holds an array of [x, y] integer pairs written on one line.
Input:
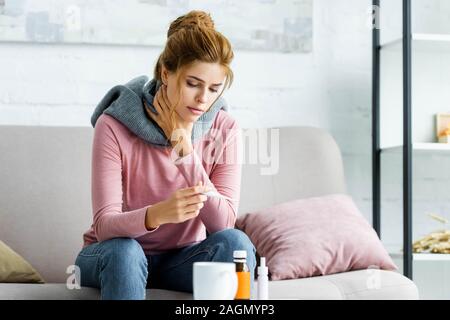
{"points": [[125, 103]]}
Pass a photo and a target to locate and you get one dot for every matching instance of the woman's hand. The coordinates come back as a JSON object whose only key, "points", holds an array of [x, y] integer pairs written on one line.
{"points": [[182, 205], [178, 132]]}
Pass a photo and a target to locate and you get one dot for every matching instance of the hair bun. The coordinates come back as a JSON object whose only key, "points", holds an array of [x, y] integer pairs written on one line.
{"points": [[192, 19]]}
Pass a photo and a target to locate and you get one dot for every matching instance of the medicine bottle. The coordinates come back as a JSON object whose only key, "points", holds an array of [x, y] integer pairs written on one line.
{"points": [[243, 275], [263, 280]]}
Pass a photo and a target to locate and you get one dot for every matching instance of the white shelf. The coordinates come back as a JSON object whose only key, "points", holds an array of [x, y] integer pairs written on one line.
{"points": [[431, 257], [421, 146], [422, 41], [422, 256]]}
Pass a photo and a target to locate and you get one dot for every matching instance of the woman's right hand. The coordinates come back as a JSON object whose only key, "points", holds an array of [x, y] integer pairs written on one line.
{"points": [[182, 205]]}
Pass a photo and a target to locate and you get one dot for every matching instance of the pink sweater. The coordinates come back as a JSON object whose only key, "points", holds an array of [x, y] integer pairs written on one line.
{"points": [[129, 175]]}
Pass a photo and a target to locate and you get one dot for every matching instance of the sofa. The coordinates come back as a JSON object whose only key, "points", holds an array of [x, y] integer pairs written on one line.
{"points": [[45, 207]]}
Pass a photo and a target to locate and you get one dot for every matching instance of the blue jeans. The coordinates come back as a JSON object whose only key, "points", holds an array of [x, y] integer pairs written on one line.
{"points": [[121, 270]]}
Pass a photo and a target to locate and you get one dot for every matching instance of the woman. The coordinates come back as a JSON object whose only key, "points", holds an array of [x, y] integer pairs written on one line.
{"points": [[152, 163]]}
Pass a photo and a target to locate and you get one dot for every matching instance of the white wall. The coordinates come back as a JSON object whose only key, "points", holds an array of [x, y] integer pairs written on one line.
{"points": [[329, 88]]}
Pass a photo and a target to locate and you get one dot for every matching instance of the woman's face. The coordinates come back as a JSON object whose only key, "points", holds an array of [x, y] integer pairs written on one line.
{"points": [[201, 84]]}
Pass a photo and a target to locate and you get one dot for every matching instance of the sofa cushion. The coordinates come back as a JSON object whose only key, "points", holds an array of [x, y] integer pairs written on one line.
{"points": [[14, 268], [361, 284], [59, 291], [314, 236], [353, 285]]}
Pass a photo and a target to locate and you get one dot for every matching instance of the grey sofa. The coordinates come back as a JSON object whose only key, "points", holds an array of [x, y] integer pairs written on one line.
{"points": [[45, 207]]}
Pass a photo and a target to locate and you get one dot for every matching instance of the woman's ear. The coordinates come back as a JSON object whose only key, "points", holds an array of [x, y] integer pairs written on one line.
{"points": [[164, 75]]}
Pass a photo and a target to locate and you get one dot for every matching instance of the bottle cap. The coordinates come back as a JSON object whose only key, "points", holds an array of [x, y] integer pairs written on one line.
{"points": [[240, 254], [262, 269]]}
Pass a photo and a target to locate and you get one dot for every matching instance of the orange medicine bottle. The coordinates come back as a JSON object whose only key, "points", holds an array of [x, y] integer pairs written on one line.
{"points": [[243, 275]]}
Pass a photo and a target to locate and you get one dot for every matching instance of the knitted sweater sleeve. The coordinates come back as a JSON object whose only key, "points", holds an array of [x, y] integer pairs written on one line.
{"points": [[106, 187]]}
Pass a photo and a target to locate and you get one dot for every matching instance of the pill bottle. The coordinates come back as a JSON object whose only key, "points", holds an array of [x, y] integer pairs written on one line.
{"points": [[243, 275]]}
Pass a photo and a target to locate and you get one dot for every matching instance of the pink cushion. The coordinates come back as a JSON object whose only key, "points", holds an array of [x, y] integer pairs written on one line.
{"points": [[314, 236]]}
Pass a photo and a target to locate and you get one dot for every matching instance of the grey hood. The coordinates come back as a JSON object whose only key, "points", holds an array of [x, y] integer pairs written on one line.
{"points": [[125, 104]]}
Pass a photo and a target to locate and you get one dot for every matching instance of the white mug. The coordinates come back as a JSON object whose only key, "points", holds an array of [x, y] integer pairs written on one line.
{"points": [[214, 280]]}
